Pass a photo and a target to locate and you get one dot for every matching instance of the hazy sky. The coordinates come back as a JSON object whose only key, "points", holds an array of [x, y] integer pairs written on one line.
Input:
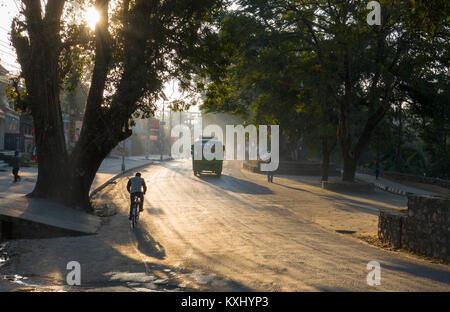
{"points": [[9, 9]]}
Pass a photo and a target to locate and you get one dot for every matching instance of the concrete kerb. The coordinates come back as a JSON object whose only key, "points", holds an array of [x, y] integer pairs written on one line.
{"points": [[391, 189], [342, 186], [101, 187]]}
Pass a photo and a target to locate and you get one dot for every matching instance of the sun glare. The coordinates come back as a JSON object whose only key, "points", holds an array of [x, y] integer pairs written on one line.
{"points": [[92, 17]]}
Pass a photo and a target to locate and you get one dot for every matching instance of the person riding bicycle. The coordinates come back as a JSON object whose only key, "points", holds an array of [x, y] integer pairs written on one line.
{"points": [[134, 187]]}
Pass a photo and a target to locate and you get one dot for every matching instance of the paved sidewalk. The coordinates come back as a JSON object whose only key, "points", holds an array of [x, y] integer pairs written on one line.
{"points": [[108, 169], [113, 166], [337, 211], [14, 205], [390, 186]]}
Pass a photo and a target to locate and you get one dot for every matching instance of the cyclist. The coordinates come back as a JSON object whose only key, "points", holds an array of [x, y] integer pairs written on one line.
{"points": [[134, 187]]}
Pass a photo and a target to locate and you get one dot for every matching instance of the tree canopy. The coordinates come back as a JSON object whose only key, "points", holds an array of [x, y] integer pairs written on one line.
{"points": [[136, 47], [317, 66]]}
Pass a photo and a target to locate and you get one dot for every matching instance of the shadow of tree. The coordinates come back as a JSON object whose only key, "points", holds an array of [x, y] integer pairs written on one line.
{"points": [[118, 258], [236, 185]]}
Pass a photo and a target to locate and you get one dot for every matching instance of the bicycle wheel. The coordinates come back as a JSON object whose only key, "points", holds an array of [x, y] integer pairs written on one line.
{"points": [[138, 203], [134, 221], [133, 215]]}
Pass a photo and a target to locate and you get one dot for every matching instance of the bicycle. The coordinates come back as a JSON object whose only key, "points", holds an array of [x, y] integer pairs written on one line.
{"points": [[135, 211]]}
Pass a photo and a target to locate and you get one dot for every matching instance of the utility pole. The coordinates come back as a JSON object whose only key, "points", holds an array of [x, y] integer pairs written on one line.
{"points": [[161, 134], [170, 132], [123, 152], [123, 156]]}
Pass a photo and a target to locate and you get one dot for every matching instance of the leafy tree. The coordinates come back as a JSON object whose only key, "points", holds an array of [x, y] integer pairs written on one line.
{"points": [[136, 47], [429, 103], [359, 68], [263, 75]]}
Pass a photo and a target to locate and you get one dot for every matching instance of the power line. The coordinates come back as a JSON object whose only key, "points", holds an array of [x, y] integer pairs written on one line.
{"points": [[12, 69], [5, 42], [6, 45], [4, 28], [17, 6], [12, 52], [7, 52], [10, 65], [4, 80], [8, 62]]}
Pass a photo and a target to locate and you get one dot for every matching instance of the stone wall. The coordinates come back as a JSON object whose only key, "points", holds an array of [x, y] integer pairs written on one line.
{"points": [[423, 229], [390, 227]]}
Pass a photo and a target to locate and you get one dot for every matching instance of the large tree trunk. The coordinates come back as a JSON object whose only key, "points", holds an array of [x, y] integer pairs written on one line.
{"points": [[38, 57], [49, 132], [349, 169], [352, 154], [398, 148], [64, 178], [327, 149], [344, 128], [61, 178], [325, 159], [103, 129]]}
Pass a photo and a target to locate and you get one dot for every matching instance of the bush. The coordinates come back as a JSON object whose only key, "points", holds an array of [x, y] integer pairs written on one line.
{"points": [[25, 159]]}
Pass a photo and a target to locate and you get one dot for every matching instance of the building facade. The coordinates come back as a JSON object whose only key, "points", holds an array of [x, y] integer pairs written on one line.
{"points": [[16, 130]]}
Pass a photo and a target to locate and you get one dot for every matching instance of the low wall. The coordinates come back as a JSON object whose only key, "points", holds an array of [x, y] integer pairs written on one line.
{"points": [[390, 227], [293, 168], [423, 229], [407, 177], [15, 228], [342, 186]]}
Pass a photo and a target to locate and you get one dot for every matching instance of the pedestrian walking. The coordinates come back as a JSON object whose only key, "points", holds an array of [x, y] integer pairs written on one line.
{"points": [[16, 166], [377, 170], [270, 176]]}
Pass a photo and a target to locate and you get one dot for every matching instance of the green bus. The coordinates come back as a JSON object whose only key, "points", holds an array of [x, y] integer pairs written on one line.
{"points": [[214, 165]]}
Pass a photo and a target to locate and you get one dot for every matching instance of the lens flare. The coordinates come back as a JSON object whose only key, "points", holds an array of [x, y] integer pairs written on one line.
{"points": [[92, 17]]}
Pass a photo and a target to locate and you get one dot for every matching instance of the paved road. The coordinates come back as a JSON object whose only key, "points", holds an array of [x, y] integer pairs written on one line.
{"points": [[233, 233], [237, 232]]}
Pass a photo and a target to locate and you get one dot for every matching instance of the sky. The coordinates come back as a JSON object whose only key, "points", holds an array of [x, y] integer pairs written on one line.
{"points": [[8, 10]]}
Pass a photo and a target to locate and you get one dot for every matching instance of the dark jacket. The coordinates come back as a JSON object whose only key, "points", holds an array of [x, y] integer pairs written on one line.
{"points": [[16, 162], [134, 185]]}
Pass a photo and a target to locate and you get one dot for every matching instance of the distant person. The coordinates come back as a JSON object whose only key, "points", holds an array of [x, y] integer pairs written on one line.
{"points": [[135, 187], [270, 176], [266, 158], [16, 166], [377, 170]]}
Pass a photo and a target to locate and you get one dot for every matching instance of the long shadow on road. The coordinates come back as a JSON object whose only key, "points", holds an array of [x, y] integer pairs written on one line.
{"points": [[235, 185], [291, 187], [118, 258], [433, 274], [224, 181], [147, 245]]}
